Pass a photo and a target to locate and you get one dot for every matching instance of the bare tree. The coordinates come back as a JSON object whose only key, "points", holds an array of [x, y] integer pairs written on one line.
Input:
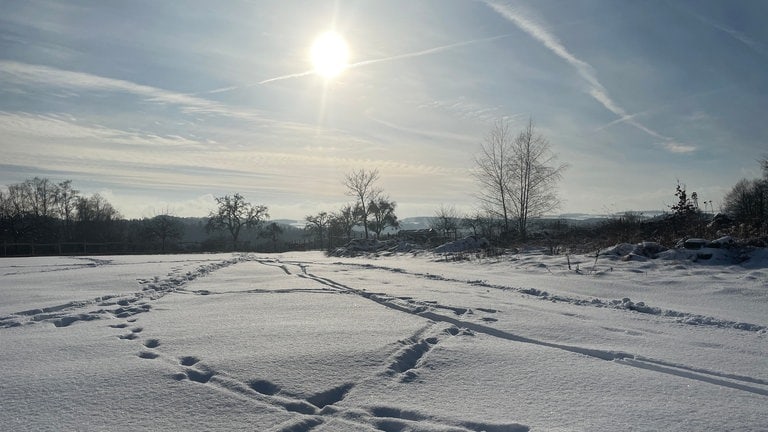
{"points": [[272, 231], [32, 205], [164, 227], [18, 199], [747, 202], [480, 223], [95, 209], [493, 171], [360, 184], [534, 177], [235, 213], [42, 194], [34, 197], [66, 201], [446, 220], [96, 219], [345, 219], [382, 212], [319, 224]]}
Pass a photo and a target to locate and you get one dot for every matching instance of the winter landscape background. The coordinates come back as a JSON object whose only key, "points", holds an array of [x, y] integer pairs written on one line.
{"points": [[410, 341], [171, 172]]}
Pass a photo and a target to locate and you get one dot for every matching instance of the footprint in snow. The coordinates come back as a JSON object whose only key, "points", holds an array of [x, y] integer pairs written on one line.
{"points": [[152, 343], [199, 376], [264, 387], [148, 355], [129, 336], [188, 360]]}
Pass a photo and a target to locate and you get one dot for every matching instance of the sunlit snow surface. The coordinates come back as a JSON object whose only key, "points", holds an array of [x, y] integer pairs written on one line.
{"points": [[303, 342]]}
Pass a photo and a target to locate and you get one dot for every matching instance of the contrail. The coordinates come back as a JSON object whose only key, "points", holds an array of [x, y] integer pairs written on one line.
{"points": [[367, 62], [295, 75], [738, 35], [671, 102], [584, 69], [428, 51]]}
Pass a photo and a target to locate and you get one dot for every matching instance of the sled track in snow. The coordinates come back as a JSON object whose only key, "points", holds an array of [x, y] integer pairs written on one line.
{"points": [[427, 311]]}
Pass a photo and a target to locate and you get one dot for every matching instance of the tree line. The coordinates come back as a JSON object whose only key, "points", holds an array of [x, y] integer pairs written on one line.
{"points": [[56, 218], [40, 210], [517, 175]]}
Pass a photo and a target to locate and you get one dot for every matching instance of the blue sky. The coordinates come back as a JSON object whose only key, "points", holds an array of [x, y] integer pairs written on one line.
{"points": [[161, 105]]}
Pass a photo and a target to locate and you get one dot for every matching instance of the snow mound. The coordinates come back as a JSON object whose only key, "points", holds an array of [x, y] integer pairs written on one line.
{"points": [[708, 255], [724, 250], [463, 245], [725, 242], [358, 247], [627, 251]]}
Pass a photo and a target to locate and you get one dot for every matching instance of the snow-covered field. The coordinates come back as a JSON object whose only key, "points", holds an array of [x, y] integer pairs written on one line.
{"points": [[300, 342]]}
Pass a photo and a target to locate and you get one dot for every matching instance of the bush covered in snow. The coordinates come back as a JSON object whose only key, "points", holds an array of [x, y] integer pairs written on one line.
{"points": [[628, 251], [724, 250], [465, 244], [361, 246]]}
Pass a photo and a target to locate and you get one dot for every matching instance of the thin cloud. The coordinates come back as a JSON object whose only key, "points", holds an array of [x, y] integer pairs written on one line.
{"points": [[675, 147], [99, 151], [584, 69], [59, 128], [430, 134], [466, 109], [24, 74], [369, 62]]}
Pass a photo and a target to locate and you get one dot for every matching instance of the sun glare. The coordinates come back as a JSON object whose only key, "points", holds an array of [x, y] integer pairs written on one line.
{"points": [[330, 54]]}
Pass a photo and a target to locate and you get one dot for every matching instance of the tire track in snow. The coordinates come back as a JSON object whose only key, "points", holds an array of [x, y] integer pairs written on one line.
{"points": [[738, 382], [622, 304], [620, 357]]}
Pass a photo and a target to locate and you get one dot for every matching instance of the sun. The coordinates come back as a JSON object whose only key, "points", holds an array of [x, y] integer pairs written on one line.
{"points": [[329, 54]]}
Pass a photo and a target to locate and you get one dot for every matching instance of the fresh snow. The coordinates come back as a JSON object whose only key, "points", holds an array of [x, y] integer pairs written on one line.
{"points": [[394, 342]]}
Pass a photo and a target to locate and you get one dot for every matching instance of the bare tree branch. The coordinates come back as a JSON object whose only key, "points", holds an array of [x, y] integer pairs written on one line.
{"points": [[360, 184], [518, 177]]}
